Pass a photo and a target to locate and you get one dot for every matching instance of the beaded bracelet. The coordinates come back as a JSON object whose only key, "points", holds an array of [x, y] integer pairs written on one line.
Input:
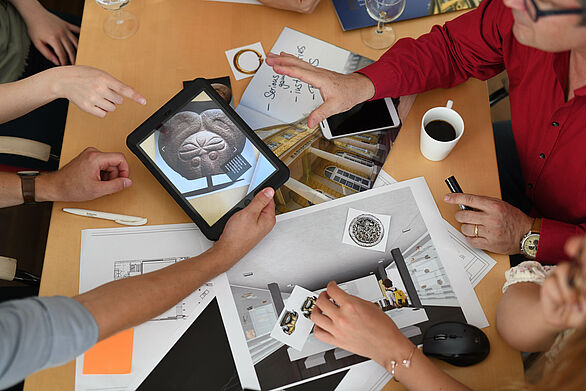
{"points": [[406, 363]]}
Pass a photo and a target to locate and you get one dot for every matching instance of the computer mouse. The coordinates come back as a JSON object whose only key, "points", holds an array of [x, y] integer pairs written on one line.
{"points": [[457, 343]]}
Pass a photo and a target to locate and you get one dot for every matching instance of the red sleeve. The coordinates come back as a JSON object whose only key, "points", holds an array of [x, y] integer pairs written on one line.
{"points": [[468, 46], [553, 235]]}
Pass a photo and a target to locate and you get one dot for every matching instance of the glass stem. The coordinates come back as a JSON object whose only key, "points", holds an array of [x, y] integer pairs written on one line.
{"points": [[379, 27]]}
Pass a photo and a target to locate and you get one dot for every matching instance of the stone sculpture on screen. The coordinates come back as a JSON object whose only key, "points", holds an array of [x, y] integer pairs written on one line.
{"points": [[198, 145]]}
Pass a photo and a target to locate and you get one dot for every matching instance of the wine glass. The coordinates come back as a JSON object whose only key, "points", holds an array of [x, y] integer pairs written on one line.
{"points": [[119, 24], [383, 11]]}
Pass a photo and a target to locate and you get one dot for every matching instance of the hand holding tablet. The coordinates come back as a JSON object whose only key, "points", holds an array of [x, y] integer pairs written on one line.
{"points": [[206, 156]]}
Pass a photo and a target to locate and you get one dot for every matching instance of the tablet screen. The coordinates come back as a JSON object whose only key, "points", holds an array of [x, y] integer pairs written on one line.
{"points": [[207, 158]]}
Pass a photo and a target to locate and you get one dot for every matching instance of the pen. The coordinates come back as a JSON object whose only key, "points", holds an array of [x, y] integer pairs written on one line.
{"points": [[455, 188], [120, 219]]}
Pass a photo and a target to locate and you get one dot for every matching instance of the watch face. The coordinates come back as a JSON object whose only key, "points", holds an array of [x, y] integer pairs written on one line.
{"points": [[28, 173], [530, 245]]}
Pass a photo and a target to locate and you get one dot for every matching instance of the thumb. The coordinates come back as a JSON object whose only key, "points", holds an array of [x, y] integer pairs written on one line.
{"points": [[319, 114], [261, 200], [267, 215], [112, 186]]}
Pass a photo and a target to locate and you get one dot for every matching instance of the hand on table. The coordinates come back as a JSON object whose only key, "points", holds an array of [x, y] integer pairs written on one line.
{"points": [[302, 6], [51, 35], [564, 306], [92, 90], [500, 225], [246, 228], [92, 174], [340, 92], [358, 326]]}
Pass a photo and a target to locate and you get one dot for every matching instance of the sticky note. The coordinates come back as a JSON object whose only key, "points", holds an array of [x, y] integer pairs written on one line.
{"points": [[112, 356]]}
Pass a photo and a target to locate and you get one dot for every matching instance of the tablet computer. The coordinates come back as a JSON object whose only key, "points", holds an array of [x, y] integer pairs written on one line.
{"points": [[205, 156]]}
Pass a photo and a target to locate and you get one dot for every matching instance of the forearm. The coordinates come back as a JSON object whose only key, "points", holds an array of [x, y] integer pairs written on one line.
{"points": [[126, 303], [11, 190], [27, 9], [468, 46], [520, 320], [23, 96]]}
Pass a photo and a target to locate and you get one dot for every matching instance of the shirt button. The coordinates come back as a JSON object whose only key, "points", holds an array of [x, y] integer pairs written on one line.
{"points": [[529, 185], [542, 155], [555, 124]]}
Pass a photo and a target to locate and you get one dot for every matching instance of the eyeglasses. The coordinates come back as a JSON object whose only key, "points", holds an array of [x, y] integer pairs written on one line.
{"points": [[575, 279], [535, 13]]}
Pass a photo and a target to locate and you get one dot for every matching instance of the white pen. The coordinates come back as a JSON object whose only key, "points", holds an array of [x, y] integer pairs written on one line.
{"points": [[120, 219]]}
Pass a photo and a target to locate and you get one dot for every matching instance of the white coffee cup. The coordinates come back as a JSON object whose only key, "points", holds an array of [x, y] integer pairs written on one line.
{"points": [[431, 148]]}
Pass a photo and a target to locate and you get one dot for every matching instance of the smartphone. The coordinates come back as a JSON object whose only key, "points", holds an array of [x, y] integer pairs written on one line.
{"points": [[370, 116]]}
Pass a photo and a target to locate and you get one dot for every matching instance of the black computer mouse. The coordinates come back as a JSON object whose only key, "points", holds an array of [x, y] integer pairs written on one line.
{"points": [[457, 343]]}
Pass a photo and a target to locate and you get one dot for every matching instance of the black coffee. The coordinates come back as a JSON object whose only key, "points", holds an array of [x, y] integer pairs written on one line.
{"points": [[440, 130]]}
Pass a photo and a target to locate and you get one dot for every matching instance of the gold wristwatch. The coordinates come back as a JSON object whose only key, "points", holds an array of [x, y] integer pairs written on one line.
{"points": [[530, 240]]}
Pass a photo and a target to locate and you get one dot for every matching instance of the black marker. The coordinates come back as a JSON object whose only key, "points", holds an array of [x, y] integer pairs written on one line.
{"points": [[455, 188]]}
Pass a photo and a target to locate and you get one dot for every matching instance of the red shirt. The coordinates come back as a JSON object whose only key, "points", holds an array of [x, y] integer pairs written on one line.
{"points": [[549, 131]]}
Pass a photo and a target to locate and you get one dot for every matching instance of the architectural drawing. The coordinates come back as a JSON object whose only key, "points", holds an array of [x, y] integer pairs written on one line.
{"points": [[125, 269], [410, 281]]}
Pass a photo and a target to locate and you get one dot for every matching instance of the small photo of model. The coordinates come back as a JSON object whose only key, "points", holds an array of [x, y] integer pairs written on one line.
{"points": [[288, 322], [308, 306]]}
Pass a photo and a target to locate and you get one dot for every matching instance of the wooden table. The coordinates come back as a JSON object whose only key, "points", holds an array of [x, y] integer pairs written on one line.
{"points": [[183, 39]]}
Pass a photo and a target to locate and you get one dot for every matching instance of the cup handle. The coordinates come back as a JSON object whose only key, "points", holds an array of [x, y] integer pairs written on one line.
{"points": [[450, 104]]}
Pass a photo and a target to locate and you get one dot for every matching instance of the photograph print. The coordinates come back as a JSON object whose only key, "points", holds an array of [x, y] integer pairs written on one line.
{"points": [[408, 280]]}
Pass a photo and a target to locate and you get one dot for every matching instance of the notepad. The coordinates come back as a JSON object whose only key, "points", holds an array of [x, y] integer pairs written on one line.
{"points": [[112, 356]]}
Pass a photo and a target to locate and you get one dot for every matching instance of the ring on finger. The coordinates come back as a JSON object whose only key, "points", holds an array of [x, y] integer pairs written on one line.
{"points": [[475, 230]]}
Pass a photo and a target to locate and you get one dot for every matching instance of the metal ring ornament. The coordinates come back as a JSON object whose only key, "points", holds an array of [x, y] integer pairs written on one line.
{"points": [[366, 230], [475, 230], [242, 70]]}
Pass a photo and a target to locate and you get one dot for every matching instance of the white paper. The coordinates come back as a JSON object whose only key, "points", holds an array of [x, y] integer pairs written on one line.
{"points": [[151, 246], [247, 60], [385, 221], [303, 325], [288, 99], [367, 376], [476, 262], [383, 179], [310, 254]]}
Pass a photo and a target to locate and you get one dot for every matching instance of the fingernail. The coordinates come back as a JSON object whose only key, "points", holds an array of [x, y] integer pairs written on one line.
{"points": [[127, 182], [447, 197], [269, 192], [142, 101]]}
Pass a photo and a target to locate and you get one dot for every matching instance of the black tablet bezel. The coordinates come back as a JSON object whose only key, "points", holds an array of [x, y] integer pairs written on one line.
{"points": [[194, 88]]}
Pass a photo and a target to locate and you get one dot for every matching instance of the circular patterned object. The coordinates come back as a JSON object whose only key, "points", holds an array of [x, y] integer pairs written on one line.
{"points": [[366, 230]]}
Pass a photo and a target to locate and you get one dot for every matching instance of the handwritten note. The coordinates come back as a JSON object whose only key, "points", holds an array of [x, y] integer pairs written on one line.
{"points": [[284, 99]]}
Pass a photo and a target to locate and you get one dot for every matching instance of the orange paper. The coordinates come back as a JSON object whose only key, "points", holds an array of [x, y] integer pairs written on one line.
{"points": [[112, 356]]}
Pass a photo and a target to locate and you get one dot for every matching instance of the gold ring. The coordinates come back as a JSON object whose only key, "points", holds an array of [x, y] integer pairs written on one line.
{"points": [[242, 70], [475, 230]]}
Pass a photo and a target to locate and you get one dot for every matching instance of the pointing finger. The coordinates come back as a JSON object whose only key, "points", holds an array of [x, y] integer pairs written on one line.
{"points": [[474, 201], [127, 91]]}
